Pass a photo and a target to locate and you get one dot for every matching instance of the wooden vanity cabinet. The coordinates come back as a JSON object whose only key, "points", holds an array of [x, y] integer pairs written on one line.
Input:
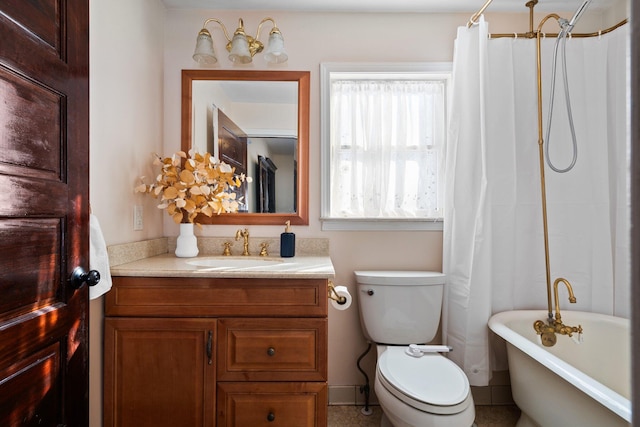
{"points": [[213, 351], [158, 372]]}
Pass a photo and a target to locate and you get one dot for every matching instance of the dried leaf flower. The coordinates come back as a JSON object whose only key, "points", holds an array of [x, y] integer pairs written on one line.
{"points": [[194, 184]]}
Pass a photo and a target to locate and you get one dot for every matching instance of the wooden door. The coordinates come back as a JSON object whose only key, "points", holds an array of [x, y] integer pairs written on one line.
{"points": [[232, 143], [44, 211], [159, 372], [232, 149]]}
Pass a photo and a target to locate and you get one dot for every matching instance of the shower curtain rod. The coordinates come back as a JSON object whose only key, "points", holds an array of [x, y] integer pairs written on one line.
{"points": [[577, 35], [476, 15], [531, 34]]}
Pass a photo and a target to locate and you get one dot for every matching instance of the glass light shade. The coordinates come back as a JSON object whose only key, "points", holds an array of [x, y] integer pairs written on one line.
{"points": [[204, 53], [240, 49], [275, 53]]}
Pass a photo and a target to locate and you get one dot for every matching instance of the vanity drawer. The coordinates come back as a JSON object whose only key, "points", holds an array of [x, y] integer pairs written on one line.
{"points": [[209, 297], [272, 349], [271, 404]]}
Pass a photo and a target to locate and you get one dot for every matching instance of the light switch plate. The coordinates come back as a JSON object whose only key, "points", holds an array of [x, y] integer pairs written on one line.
{"points": [[138, 221]]}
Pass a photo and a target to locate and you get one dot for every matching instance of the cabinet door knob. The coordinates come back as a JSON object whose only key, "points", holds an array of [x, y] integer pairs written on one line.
{"points": [[271, 351], [271, 417]]}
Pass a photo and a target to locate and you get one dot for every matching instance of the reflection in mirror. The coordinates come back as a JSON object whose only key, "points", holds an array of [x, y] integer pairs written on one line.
{"points": [[257, 121], [242, 121]]}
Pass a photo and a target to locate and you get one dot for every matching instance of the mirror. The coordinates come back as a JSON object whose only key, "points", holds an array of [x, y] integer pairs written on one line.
{"points": [[258, 122]]}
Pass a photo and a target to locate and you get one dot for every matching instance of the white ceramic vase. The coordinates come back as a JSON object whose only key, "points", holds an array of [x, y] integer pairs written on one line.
{"points": [[187, 243]]}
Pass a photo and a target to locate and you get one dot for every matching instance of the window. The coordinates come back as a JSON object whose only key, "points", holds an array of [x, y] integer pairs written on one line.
{"points": [[383, 138]]}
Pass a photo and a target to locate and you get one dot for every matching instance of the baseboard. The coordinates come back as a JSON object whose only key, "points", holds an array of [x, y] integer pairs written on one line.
{"points": [[350, 395]]}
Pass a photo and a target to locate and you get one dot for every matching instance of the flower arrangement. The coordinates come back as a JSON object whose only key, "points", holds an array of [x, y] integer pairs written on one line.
{"points": [[194, 184]]}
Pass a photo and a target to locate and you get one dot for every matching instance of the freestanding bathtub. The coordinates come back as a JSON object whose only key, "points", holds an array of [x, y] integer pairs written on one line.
{"points": [[569, 384]]}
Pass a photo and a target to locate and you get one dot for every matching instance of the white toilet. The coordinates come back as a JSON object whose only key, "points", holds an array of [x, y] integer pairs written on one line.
{"points": [[399, 308]]}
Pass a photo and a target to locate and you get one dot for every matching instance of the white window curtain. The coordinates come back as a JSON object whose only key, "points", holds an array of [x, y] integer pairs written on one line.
{"points": [[493, 250], [386, 140]]}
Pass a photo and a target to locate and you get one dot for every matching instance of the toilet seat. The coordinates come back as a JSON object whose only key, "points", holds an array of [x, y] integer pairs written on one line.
{"points": [[431, 383]]}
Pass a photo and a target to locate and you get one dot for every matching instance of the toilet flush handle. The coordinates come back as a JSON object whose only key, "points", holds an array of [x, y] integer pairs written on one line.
{"points": [[368, 291], [416, 350]]}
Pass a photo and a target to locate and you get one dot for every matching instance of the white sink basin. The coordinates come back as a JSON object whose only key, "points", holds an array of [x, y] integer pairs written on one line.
{"points": [[234, 262]]}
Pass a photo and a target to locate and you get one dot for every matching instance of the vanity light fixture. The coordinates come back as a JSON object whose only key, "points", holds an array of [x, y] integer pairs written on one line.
{"points": [[241, 47]]}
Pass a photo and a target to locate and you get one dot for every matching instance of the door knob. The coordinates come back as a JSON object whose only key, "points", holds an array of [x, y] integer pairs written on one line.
{"points": [[79, 277]]}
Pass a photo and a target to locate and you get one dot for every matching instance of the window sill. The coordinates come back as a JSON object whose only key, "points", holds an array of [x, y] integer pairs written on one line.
{"points": [[363, 224]]}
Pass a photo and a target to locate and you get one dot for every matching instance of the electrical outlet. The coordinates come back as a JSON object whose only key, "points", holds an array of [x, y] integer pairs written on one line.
{"points": [[138, 222]]}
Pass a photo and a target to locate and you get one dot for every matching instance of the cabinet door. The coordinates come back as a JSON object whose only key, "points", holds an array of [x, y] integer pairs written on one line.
{"points": [[159, 372]]}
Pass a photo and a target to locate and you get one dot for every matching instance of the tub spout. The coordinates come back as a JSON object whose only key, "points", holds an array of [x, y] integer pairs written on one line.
{"points": [[572, 297]]}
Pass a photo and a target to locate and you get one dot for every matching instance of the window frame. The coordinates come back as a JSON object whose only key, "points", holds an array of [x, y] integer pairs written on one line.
{"points": [[327, 69]]}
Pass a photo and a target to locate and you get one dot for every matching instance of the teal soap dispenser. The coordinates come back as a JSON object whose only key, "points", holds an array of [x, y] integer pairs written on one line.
{"points": [[287, 242]]}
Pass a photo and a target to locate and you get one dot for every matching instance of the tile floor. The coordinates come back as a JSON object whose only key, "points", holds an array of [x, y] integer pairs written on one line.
{"points": [[486, 416]]}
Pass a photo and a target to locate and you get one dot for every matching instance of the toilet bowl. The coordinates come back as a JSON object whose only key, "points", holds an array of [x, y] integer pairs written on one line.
{"points": [[429, 391], [399, 308]]}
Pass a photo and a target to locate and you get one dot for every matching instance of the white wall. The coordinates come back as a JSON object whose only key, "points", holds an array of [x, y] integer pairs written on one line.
{"points": [[126, 105]]}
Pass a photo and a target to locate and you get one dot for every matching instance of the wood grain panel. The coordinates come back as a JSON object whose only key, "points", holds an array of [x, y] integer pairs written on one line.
{"points": [[269, 349], [41, 18], [30, 126], [27, 333], [25, 285], [161, 370], [44, 211], [272, 404], [29, 389], [41, 198], [162, 296]]}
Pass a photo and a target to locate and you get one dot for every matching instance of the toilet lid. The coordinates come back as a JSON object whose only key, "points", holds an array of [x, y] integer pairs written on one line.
{"points": [[431, 379]]}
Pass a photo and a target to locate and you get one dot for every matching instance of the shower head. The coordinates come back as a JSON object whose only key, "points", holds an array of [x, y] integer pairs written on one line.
{"points": [[576, 16]]}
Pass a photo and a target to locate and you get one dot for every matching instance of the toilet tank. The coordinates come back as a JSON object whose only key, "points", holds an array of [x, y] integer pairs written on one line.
{"points": [[400, 307]]}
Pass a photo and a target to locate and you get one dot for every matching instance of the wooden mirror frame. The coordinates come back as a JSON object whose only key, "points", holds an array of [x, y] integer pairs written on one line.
{"points": [[301, 216]]}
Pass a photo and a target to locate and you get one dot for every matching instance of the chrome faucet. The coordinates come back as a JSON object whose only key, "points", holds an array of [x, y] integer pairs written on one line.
{"points": [[548, 331], [245, 235]]}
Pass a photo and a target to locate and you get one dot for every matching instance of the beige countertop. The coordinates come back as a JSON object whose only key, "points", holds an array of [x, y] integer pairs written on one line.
{"points": [[168, 265]]}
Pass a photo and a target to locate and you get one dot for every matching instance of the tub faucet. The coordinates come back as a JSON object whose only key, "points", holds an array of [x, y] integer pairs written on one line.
{"points": [[560, 327], [245, 235], [548, 331], [572, 297]]}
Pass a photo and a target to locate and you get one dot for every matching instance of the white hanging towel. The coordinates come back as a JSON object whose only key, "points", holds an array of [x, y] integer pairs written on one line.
{"points": [[98, 259]]}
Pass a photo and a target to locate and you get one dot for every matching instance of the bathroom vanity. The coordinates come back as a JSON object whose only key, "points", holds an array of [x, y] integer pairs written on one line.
{"points": [[190, 342]]}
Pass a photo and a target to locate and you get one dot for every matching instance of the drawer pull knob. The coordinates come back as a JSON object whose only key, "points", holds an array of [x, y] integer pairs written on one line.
{"points": [[271, 417], [271, 351]]}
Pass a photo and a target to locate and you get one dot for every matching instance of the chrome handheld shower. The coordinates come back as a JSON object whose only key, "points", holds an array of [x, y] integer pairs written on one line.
{"points": [[566, 27], [578, 14], [567, 24]]}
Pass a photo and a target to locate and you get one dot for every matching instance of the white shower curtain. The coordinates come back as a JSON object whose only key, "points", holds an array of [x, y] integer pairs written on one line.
{"points": [[493, 252]]}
